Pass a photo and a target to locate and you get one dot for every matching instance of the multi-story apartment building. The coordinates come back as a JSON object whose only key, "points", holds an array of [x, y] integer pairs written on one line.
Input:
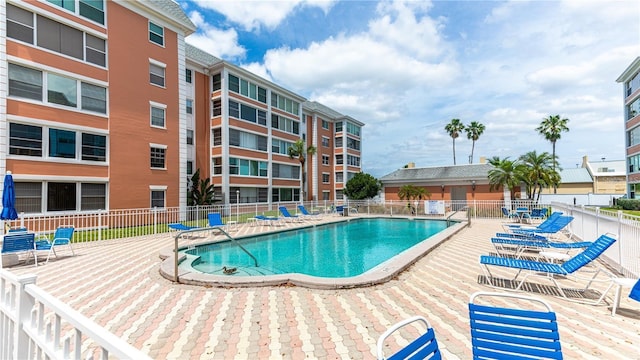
{"points": [[630, 79], [103, 105]]}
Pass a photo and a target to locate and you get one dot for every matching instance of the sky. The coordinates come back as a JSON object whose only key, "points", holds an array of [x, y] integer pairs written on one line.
{"points": [[406, 68]]}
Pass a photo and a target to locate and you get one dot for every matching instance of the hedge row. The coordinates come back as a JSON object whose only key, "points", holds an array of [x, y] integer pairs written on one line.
{"points": [[628, 204]]}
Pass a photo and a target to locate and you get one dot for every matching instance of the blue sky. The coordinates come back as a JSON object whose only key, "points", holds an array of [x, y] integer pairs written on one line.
{"points": [[406, 68]]}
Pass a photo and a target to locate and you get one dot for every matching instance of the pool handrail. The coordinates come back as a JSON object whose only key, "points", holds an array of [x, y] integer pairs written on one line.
{"points": [[219, 227]]}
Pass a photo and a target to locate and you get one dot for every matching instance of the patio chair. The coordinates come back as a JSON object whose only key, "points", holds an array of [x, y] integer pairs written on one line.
{"points": [[61, 237], [215, 220], [509, 214], [19, 242], [547, 270], [549, 229], [285, 213], [517, 247], [526, 331], [307, 215], [552, 218], [266, 220], [424, 347], [181, 227], [538, 214]]}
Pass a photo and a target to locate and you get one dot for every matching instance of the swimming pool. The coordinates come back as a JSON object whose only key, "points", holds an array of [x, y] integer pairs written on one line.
{"points": [[348, 253]]}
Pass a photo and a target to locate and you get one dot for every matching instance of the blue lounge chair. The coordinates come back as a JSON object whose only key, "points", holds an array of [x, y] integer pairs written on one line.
{"points": [[509, 215], [307, 214], [424, 347], [552, 228], [266, 220], [539, 214], [181, 227], [523, 332], [517, 247], [547, 270], [215, 219], [19, 242], [552, 218], [285, 213], [62, 236], [340, 210]]}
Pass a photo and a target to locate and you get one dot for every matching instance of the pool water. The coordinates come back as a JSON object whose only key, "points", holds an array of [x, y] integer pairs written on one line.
{"points": [[335, 250]]}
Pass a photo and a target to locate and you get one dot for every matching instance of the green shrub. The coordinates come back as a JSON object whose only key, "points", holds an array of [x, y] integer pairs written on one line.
{"points": [[628, 204]]}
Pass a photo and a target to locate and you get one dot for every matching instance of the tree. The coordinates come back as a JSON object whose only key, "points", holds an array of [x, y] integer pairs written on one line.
{"points": [[538, 172], [505, 174], [551, 128], [362, 186], [201, 191], [411, 192], [454, 128], [299, 151], [473, 130]]}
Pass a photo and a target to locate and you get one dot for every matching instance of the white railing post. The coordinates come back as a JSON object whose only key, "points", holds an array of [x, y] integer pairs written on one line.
{"points": [[155, 220], [99, 225], [25, 304], [620, 264], [597, 221]]}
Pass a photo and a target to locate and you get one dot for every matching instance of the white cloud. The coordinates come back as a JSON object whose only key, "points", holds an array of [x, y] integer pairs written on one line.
{"points": [[221, 43], [252, 15]]}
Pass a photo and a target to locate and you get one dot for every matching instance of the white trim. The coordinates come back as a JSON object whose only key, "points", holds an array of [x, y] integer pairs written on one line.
{"points": [[54, 124], [75, 179], [157, 63], [157, 104], [25, 5], [158, 188], [159, 146], [43, 67]]}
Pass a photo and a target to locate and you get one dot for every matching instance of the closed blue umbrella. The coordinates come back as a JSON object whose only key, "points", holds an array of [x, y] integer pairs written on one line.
{"points": [[8, 199]]}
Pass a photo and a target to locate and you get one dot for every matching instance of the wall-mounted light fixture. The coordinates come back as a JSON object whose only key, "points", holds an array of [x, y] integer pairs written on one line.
{"points": [[473, 185], [442, 187]]}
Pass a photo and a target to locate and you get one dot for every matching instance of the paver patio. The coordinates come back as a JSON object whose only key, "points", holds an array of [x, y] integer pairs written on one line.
{"points": [[117, 284]]}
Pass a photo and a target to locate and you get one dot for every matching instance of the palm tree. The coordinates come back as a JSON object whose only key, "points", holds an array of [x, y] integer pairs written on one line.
{"points": [[474, 130], [506, 174], [454, 128], [539, 172], [551, 128], [411, 192], [299, 151]]}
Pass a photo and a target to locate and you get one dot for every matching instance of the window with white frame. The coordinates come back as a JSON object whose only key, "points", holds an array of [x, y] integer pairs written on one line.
{"points": [[28, 83], [189, 167], [283, 171], [285, 194], [353, 160], [158, 198], [217, 137], [326, 178], [217, 166], [325, 195], [339, 159], [339, 177], [89, 9], [93, 196], [353, 144], [158, 156], [285, 104], [28, 140], [280, 146], [325, 141], [158, 115], [217, 107], [188, 76], [284, 124], [189, 137], [247, 113], [156, 74], [189, 106], [248, 167], [247, 88], [156, 34], [338, 142], [247, 140], [52, 35], [325, 124], [325, 159]]}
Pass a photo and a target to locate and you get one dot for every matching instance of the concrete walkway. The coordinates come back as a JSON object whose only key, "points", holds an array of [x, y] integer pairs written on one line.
{"points": [[117, 284]]}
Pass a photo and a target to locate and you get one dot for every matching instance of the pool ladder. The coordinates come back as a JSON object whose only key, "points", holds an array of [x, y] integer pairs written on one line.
{"points": [[233, 240]]}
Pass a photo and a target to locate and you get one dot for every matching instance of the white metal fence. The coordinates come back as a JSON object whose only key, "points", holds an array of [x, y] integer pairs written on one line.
{"points": [[35, 325]]}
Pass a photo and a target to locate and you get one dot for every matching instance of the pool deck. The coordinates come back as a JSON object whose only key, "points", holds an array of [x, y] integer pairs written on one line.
{"points": [[118, 285]]}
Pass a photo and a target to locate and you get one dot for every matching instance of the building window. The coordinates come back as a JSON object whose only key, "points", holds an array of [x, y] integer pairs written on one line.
{"points": [[339, 194], [353, 144], [339, 159], [285, 104], [62, 144], [337, 142], [217, 166], [189, 167], [94, 98], [285, 171], [92, 10], [247, 140], [25, 82], [280, 146], [216, 82], [338, 127], [247, 167], [158, 114], [25, 140], [217, 137], [247, 88], [326, 178], [189, 137], [325, 195], [284, 124], [158, 198], [189, 106], [94, 148], [156, 34], [353, 160], [19, 24], [325, 159], [285, 194], [187, 75], [60, 38], [353, 129], [158, 157], [93, 196], [217, 107], [156, 74], [28, 197], [247, 113], [325, 141], [61, 196], [325, 124], [339, 177], [96, 50]]}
